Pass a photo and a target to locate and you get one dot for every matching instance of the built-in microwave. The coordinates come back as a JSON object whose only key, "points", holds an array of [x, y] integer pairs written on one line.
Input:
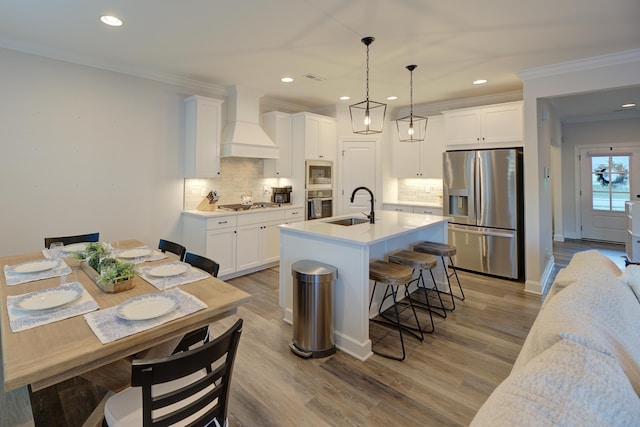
{"points": [[319, 174]]}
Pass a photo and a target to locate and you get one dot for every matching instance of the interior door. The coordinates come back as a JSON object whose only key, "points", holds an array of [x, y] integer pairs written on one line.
{"points": [[608, 177], [358, 169]]}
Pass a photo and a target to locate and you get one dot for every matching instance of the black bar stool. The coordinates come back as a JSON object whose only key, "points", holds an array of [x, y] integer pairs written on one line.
{"points": [[419, 261], [443, 250], [393, 276]]}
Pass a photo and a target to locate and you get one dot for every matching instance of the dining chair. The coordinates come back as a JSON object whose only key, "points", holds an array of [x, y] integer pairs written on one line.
{"points": [[178, 388], [199, 335], [68, 240], [174, 248], [203, 263]]}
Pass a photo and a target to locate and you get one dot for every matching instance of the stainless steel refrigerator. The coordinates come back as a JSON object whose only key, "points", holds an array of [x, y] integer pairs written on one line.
{"points": [[483, 196]]}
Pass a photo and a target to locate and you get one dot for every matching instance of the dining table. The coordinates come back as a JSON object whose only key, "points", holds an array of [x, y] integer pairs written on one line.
{"points": [[47, 354]]}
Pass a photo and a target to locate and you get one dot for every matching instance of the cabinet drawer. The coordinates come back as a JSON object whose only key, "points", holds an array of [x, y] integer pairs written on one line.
{"points": [[633, 247], [294, 214], [397, 208], [427, 210], [261, 217], [221, 222]]}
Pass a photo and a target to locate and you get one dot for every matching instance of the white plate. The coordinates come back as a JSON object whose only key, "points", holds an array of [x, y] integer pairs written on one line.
{"points": [[75, 247], [34, 266], [49, 298], [146, 307], [168, 269], [134, 253]]}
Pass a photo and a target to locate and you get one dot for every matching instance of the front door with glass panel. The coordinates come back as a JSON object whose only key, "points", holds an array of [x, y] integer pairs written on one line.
{"points": [[607, 181]]}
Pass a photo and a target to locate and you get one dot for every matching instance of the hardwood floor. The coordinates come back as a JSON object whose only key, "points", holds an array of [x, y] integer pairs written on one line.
{"points": [[443, 381]]}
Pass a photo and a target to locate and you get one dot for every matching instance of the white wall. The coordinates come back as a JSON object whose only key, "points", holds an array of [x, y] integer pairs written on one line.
{"points": [[609, 71], [85, 150], [625, 131]]}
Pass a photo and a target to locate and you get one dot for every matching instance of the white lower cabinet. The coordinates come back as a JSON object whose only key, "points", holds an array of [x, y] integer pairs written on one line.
{"points": [[270, 242], [293, 215], [248, 247], [221, 247], [241, 242], [221, 243]]}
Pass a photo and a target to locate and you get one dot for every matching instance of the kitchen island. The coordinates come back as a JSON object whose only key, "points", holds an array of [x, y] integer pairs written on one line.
{"points": [[350, 249]]}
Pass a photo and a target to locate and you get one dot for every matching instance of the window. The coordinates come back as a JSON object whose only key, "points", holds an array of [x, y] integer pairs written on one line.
{"points": [[610, 182]]}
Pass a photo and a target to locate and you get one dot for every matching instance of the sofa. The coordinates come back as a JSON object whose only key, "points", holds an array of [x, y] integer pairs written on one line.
{"points": [[580, 362]]}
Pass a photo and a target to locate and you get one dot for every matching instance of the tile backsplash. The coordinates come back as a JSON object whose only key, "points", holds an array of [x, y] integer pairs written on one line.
{"points": [[420, 190], [238, 177]]}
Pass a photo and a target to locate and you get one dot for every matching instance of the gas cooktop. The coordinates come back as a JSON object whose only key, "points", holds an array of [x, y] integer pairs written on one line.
{"points": [[241, 207]]}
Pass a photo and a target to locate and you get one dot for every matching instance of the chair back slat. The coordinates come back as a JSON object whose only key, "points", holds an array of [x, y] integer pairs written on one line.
{"points": [[68, 240], [172, 247], [192, 370], [203, 263]]}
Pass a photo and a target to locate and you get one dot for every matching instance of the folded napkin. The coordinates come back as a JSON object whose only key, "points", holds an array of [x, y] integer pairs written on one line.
{"points": [[162, 283], [109, 327], [20, 320], [14, 278]]}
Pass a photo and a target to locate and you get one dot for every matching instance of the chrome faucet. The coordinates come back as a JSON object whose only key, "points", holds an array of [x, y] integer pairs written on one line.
{"points": [[371, 216]]}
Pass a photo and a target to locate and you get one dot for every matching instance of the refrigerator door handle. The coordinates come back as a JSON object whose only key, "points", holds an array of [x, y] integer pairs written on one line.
{"points": [[473, 208], [478, 174]]}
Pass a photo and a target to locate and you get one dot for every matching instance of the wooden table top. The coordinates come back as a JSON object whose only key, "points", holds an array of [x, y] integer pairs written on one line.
{"points": [[48, 354]]}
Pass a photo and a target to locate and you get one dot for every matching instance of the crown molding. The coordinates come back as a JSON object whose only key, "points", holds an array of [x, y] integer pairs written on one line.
{"points": [[581, 64], [436, 108]]}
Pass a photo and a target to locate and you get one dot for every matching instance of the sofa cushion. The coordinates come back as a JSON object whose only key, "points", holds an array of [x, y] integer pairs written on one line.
{"points": [[631, 277], [584, 265], [569, 384], [602, 315]]}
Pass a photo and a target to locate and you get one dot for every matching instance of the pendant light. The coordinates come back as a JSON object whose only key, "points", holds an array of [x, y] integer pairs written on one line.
{"points": [[367, 117], [411, 128]]}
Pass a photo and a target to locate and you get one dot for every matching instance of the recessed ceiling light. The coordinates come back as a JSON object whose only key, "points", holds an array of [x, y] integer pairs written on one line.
{"points": [[391, 98], [344, 98], [629, 105], [286, 79], [479, 82], [111, 20]]}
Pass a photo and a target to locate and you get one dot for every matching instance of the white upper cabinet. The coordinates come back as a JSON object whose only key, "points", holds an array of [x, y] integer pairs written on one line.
{"points": [[318, 133], [202, 137], [421, 159], [278, 126], [491, 124]]}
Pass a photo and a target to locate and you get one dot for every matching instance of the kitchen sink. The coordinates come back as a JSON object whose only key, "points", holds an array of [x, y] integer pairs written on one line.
{"points": [[349, 221]]}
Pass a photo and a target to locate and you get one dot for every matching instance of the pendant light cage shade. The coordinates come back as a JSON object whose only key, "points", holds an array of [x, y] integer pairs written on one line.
{"points": [[367, 117], [411, 128]]}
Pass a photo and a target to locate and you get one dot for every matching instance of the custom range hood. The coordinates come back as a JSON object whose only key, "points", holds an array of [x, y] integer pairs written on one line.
{"points": [[243, 136]]}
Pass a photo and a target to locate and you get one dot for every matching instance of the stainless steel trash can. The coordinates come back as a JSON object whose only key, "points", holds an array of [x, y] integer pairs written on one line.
{"points": [[313, 309]]}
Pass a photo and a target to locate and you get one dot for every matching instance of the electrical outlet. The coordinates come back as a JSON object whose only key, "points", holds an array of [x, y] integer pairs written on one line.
{"points": [[266, 190], [203, 191]]}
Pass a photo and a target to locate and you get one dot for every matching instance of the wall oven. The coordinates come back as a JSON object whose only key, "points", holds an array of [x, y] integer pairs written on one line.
{"points": [[318, 175], [319, 203]]}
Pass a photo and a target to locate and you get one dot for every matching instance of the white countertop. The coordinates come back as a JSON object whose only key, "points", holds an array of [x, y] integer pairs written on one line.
{"points": [[388, 224], [224, 212]]}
